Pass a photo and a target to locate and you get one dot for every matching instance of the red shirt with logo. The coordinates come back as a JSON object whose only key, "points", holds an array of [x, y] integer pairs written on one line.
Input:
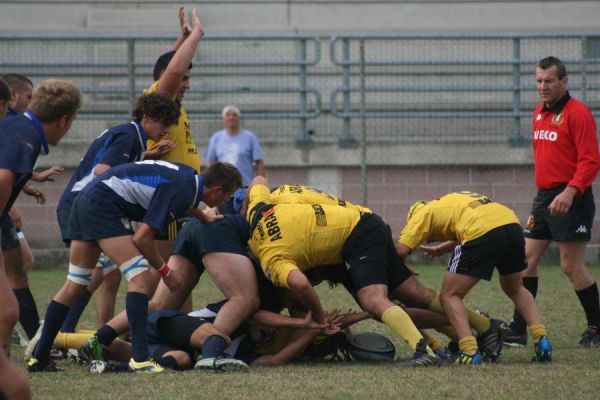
{"points": [[565, 145]]}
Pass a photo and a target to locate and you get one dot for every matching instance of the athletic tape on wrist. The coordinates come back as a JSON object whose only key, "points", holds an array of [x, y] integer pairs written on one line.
{"points": [[134, 266], [80, 276], [20, 235]]}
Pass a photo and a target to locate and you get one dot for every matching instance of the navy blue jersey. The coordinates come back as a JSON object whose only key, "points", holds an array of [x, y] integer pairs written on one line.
{"points": [[22, 139], [11, 112], [115, 146], [153, 192]]}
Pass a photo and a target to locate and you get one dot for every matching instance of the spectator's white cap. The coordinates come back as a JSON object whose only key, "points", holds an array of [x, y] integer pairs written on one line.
{"points": [[231, 107]]}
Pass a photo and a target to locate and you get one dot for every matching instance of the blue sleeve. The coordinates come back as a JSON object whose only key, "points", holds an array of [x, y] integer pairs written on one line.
{"points": [[123, 149], [211, 150], [256, 149], [170, 201]]}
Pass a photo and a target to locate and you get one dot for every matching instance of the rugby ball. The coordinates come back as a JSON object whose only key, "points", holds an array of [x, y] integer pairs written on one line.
{"points": [[370, 346]]}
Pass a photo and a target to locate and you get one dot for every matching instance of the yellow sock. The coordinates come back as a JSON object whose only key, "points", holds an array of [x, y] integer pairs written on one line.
{"points": [[434, 343], [537, 331], [476, 320], [449, 332], [468, 345], [399, 321], [71, 340]]}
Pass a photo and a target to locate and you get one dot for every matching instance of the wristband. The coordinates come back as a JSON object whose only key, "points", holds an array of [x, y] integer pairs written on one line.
{"points": [[164, 271]]}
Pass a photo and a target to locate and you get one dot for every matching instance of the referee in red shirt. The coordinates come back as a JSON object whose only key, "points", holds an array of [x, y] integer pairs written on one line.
{"points": [[566, 161]]}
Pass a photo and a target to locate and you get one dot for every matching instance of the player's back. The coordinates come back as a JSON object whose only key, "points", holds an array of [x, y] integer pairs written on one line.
{"points": [[300, 194]]}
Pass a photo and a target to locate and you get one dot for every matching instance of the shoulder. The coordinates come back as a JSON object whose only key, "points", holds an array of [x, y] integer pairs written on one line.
{"points": [[577, 107]]}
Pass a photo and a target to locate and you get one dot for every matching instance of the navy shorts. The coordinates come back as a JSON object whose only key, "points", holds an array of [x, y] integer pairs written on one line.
{"points": [[93, 219], [575, 226], [370, 255], [10, 240], [64, 223], [502, 247], [227, 235]]}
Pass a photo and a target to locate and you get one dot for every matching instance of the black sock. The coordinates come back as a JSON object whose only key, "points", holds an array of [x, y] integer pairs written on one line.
{"points": [[75, 313], [590, 300], [136, 305], [213, 346], [106, 335], [531, 284], [168, 362], [28, 312], [55, 315]]}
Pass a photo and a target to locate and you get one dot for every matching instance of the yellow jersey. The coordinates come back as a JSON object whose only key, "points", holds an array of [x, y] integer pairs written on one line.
{"points": [[288, 237], [300, 194], [185, 150], [459, 217]]}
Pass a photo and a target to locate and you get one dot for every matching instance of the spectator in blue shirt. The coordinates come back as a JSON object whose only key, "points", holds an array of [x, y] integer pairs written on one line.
{"points": [[237, 146]]}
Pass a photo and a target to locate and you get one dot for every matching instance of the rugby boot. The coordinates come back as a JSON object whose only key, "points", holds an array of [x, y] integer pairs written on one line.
{"points": [[149, 366], [36, 366], [490, 342], [514, 337], [543, 350], [466, 359], [422, 358], [92, 350], [590, 338]]}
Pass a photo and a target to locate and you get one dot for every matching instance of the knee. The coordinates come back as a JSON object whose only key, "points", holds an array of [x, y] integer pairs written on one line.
{"points": [[570, 268], [112, 280]]}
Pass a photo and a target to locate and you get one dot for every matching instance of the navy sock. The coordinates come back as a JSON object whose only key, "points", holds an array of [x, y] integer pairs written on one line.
{"points": [[106, 335], [213, 346], [28, 312], [590, 300], [136, 305], [168, 362], [55, 315], [531, 284], [75, 313]]}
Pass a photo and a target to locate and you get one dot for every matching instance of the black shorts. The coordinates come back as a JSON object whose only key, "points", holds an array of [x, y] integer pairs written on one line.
{"points": [[575, 226], [227, 235], [176, 331], [502, 247], [10, 240], [370, 255], [173, 229]]}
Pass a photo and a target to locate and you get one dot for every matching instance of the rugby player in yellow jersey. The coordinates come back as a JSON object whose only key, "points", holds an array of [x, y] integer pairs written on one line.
{"points": [[483, 234], [411, 292], [289, 239]]}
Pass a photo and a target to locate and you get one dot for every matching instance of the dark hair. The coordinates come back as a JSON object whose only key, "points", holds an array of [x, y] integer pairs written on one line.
{"points": [[158, 107], [4, 91], [549, 62], [222, 174], [162, 63], [17, 81]]}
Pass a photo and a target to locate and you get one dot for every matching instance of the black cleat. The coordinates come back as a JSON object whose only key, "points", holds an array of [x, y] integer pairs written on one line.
{"points": [[589, 339], [514, 337], [35, 366], [422, 358], [490, 342]]}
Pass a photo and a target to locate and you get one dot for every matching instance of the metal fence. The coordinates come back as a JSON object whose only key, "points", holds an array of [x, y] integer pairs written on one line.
{"points": [[380, 120]]}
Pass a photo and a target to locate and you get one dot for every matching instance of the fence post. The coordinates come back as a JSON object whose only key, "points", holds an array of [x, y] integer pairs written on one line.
{"points": [[347, 141], [363, 124], [517, 139], [582, 69], [131, 71], [303, 141]]}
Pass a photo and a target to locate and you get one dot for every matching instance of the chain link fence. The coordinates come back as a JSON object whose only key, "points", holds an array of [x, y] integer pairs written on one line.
{"points": [[379, 120]]}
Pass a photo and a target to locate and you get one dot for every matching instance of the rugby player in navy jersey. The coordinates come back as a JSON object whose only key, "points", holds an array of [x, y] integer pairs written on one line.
{"points": [[153, 193], [22, 138], [153, 115]]}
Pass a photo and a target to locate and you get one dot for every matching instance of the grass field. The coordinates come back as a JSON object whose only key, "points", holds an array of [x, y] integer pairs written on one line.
{"points": [[574, 374]]}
